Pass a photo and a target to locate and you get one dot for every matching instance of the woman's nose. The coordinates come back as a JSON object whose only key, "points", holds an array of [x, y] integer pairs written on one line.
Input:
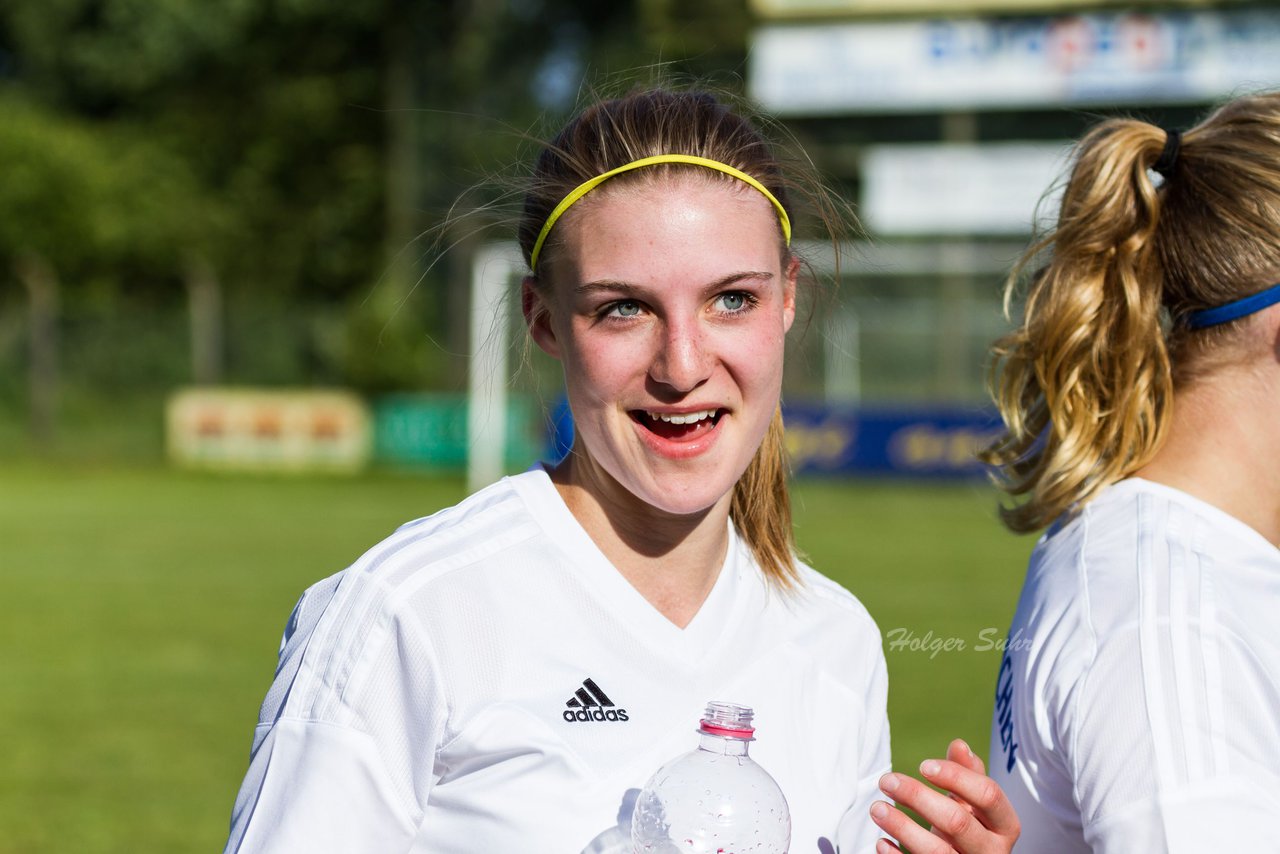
{"points": [[682, 361]]}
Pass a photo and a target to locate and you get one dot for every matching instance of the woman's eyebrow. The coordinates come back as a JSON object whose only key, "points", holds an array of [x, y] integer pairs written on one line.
{"points": [[607, 286], [629, 289]]}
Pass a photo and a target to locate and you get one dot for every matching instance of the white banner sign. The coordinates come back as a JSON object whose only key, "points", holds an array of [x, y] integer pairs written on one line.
{"points": [[960, 189], [268, 429], [903, 8], [913, 66]]}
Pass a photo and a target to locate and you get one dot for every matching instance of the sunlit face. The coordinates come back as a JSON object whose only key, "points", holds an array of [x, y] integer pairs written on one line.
{"points": [[668, 305]]}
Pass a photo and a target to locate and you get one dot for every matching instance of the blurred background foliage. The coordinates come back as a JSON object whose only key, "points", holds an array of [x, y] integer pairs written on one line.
{"points": [[280, 175]]}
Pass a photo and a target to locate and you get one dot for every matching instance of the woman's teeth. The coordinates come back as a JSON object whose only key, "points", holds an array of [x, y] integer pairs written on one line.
{"points": [[685, 418]]}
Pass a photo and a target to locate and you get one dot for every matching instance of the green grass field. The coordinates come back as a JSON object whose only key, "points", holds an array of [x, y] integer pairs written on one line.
{"points": [[140, 610]]}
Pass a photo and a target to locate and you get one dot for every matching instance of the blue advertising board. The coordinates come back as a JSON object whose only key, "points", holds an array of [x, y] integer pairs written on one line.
{"points": [[926, 442], [933, 441]]}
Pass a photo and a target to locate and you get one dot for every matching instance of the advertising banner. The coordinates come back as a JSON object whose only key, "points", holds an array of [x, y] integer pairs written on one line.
{"points": [[1009, 63], [430, 431], [822, 439], [951, 189], [902, 8], [928, 442], [268, 430]]}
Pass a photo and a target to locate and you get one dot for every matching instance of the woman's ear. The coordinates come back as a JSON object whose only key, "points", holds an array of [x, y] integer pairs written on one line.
{"points": [[537, 316], [789, 278]]}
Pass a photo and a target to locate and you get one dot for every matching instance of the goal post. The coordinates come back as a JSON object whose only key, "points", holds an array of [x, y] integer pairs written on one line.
{"points": [[495, 271]]}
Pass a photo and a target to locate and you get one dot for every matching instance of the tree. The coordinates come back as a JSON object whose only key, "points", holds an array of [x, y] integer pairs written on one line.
{"points": [[298, 147], [74, 201]]}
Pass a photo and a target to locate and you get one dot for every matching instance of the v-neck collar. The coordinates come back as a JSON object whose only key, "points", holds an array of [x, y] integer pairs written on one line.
{"points": [[705, 634]]}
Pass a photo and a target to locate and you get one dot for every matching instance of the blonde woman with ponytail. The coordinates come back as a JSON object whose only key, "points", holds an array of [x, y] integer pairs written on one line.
{"points": [[1138, 704], [506, 674]]}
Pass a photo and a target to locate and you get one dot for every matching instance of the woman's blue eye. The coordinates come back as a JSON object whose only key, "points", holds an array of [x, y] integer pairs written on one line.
{"points": [[733, 302], [626, 309]]}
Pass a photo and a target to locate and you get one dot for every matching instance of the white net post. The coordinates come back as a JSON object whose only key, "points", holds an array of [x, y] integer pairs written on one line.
{"points": [[492, 274]]}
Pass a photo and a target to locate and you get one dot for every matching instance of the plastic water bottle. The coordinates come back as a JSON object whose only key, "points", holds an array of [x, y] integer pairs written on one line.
{"points": [[715, 799]]}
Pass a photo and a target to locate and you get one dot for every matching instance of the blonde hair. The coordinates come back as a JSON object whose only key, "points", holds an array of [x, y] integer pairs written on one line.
{"points": [[761, 507], [1085, 384], [650, 122]]}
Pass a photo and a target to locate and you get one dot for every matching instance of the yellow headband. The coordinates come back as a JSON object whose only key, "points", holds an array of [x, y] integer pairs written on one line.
{"points": [[587, 186]]}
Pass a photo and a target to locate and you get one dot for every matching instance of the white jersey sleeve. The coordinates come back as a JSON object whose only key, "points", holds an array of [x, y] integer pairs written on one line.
{"points": [[1138, 705], [858, 833], [327, 770]]}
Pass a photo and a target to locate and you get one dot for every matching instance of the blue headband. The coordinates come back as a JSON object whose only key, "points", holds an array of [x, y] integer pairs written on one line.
{"points": [[1234, 310]]}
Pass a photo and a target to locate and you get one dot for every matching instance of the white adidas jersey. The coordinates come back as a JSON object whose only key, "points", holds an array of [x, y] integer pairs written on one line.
{"points": [[1138, 702], [485, 681]]}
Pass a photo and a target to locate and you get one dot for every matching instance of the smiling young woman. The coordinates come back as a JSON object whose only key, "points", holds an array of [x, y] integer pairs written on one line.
{"points": [[506, 674], [672, 363]]}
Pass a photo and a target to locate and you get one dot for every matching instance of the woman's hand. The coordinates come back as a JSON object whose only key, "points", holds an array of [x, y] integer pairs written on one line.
{"points": [[975, 818]]}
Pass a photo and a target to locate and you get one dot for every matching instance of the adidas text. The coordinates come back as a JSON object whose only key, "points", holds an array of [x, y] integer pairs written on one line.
{"points": [[597, 714]]}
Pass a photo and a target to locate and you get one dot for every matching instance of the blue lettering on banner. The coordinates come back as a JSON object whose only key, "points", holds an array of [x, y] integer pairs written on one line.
{"points": [[933, 441], [821, 438], [1004, 711]]}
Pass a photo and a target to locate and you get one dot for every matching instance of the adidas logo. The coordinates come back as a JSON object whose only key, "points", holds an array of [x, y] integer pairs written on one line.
{"points": [[589, 703]]}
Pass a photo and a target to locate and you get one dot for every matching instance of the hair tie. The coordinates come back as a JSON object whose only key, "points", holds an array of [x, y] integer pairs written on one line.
{"points": [[589, 185], [1169, 154]]}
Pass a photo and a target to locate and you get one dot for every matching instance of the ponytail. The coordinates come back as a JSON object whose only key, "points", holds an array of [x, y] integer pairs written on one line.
{"points": [[1084, 385], [761, 509]]}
